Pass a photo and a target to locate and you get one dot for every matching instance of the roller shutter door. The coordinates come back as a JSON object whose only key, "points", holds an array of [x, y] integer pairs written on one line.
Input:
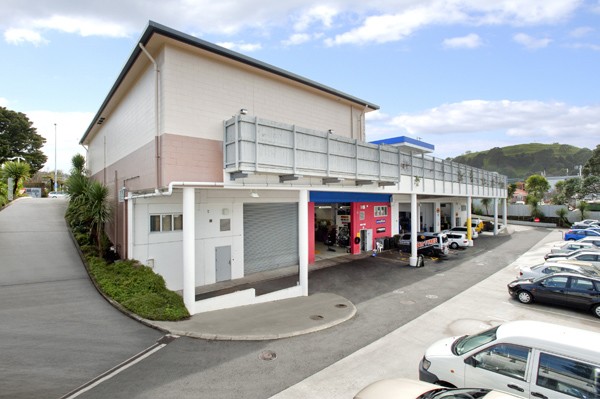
{"points": [[270, 236]]}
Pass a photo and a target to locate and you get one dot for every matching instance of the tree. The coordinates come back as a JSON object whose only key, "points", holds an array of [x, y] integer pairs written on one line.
{"points": [[559, 193], [510, 191], [17, 171], [78, 162], [592, 166], [572, 187], [562, 216], [582, 208], [534, 203], [18, 137], [537, 186], [590, 185]]}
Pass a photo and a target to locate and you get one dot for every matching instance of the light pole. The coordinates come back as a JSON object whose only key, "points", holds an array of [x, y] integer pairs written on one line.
{"points": [[55, 160]]}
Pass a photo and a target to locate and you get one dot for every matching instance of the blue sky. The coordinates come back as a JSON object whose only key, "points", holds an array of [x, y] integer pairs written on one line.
{"points": [[464, 75]]}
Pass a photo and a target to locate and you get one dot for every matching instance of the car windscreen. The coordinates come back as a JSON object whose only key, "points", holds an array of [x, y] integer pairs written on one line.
{"points": [[467, 343]]}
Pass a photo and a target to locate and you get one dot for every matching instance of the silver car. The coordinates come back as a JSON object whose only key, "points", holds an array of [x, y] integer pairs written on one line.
{"points": [[570, 246], [546, 268]]}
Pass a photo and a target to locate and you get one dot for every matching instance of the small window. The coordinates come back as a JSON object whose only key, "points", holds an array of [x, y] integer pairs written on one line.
{"points": [[166, 222], [571, 377], [361, 215], [556, 282], [225, 225], [582, 284], [505, 359]]}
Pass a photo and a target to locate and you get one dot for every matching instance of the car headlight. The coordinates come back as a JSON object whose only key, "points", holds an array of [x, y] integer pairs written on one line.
{"points": [[426, 363]]}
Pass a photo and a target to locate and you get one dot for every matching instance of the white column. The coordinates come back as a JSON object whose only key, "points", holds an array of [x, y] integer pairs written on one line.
{"points": [[189, 248], [469, 231], [414, 229], [495, 216], [437, 217], [452, 215], [395, 217], [505, 213], [303, 240], [130, 235]]}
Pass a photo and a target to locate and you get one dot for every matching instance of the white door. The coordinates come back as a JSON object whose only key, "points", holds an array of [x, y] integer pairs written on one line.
{"points": [[501, 366]]}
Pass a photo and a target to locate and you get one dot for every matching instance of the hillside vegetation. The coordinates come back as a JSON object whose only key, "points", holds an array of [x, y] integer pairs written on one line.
{"points": [[523, 160]]}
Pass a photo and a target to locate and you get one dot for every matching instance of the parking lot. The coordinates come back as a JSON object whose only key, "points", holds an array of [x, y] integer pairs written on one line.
{"points": [[397, 354]]}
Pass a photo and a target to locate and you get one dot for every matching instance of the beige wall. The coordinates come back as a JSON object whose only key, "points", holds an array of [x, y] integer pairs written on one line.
{"points": [[191, 159], [203, 91]]}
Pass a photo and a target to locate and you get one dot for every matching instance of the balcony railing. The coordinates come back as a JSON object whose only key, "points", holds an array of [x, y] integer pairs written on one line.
{"points": [[254, 145]]}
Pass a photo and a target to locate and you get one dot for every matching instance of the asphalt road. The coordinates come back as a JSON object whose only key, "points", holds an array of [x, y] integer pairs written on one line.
{"points": [[56, 331], [387, 294]]}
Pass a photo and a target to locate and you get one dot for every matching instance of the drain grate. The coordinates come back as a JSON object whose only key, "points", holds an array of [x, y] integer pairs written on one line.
{"points": [[267, 355], [341, 305], [316, 317]]}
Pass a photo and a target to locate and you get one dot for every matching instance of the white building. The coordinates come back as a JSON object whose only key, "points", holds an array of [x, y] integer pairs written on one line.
{"points": [[222, 166]]}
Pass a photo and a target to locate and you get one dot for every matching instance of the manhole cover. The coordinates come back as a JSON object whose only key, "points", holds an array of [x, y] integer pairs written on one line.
{"points": [[267, 355], [316, 317], [341, 305]]}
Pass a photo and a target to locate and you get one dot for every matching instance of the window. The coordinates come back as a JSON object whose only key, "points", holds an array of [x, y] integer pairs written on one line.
{"points": [[571, 377], [380, 211], [582, 284], [556, 282], [469, 342], [166, 222], [505, 359]]}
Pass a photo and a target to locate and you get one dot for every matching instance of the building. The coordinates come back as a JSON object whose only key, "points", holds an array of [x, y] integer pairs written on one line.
{"points": [[222, 166]]}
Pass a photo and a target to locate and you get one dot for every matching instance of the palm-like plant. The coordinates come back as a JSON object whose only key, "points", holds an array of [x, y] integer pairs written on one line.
{"points": [[582, 207], [562, 216], [78, 163], [16, 170], [486, 202], [97, 211]]}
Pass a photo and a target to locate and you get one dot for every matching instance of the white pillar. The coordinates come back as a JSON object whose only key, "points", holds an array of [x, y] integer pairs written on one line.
{"points": [[469, 232], [303, 240], [505, 213], [189, 248], [495, 216], [130, 228], [414, 229], [452, 215], [437, 217], [395, 217]]}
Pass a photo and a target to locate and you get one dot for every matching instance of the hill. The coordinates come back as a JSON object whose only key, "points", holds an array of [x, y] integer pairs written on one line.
{"points": [[523, 160]]}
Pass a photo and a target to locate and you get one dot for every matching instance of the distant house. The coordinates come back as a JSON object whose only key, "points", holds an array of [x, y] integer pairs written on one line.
{"points": [[520, 194]]}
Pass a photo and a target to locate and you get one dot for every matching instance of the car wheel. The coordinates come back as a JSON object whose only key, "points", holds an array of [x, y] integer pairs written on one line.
{"points": [[524, 297], [453, 245], [596, 310]]}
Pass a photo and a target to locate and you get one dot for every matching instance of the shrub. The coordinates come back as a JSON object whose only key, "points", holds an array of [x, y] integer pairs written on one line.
{"points": [[138, 289]]}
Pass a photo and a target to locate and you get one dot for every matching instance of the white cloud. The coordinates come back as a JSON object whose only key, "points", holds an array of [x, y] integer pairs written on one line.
{"points": [[477, 124], [83, 26], [3, 102], [20, 36], [595, 47], [300, 38], [471, 40], [530, 41], [322, 14], [247, 47], [581, 31]]}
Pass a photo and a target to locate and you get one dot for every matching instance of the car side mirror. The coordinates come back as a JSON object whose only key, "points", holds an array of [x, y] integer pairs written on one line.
{"points": [[471, 361]]}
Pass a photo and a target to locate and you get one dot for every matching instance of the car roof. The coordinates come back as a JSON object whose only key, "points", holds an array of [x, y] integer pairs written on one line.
{"points": [[556, 338]]}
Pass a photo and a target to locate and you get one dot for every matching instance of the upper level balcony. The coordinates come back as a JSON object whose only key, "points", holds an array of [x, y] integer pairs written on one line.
{"points": [[253, 145]]}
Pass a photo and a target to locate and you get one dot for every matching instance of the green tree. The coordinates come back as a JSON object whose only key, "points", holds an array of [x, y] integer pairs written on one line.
{"points": [[592, 166], [559, 193], [582, 207], [18, 137], [537, 185], [534, 204], [510, 190], [78, 163], [572, 187], [18, 171], [562, 216], [590, 185]]}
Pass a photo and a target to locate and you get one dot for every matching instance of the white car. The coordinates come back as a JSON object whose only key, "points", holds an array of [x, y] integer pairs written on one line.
{"points": [[571, 246], [463, 230], [457, 239], [556, 267], [402, 388]]}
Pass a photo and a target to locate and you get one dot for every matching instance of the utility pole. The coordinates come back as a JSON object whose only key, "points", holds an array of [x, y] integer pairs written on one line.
{"points": [[55, 160]]}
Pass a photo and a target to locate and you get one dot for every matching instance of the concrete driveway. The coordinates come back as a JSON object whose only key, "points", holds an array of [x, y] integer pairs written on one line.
{"points": [[56, 331]]}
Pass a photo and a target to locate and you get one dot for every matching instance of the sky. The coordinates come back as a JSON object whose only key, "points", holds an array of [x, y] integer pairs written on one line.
{"points": [[463, 75]]}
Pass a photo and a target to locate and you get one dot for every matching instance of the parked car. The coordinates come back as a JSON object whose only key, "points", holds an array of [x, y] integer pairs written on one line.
{"points": [[585, 223], [530, 358], [459, 229], [586, 255], [403, 388], [563, 289], [566, 255], [571, 246], [427, 243], [577, 234], [543, 269], [456, 240], [594, 240], [477, 224], [57, 194]]}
